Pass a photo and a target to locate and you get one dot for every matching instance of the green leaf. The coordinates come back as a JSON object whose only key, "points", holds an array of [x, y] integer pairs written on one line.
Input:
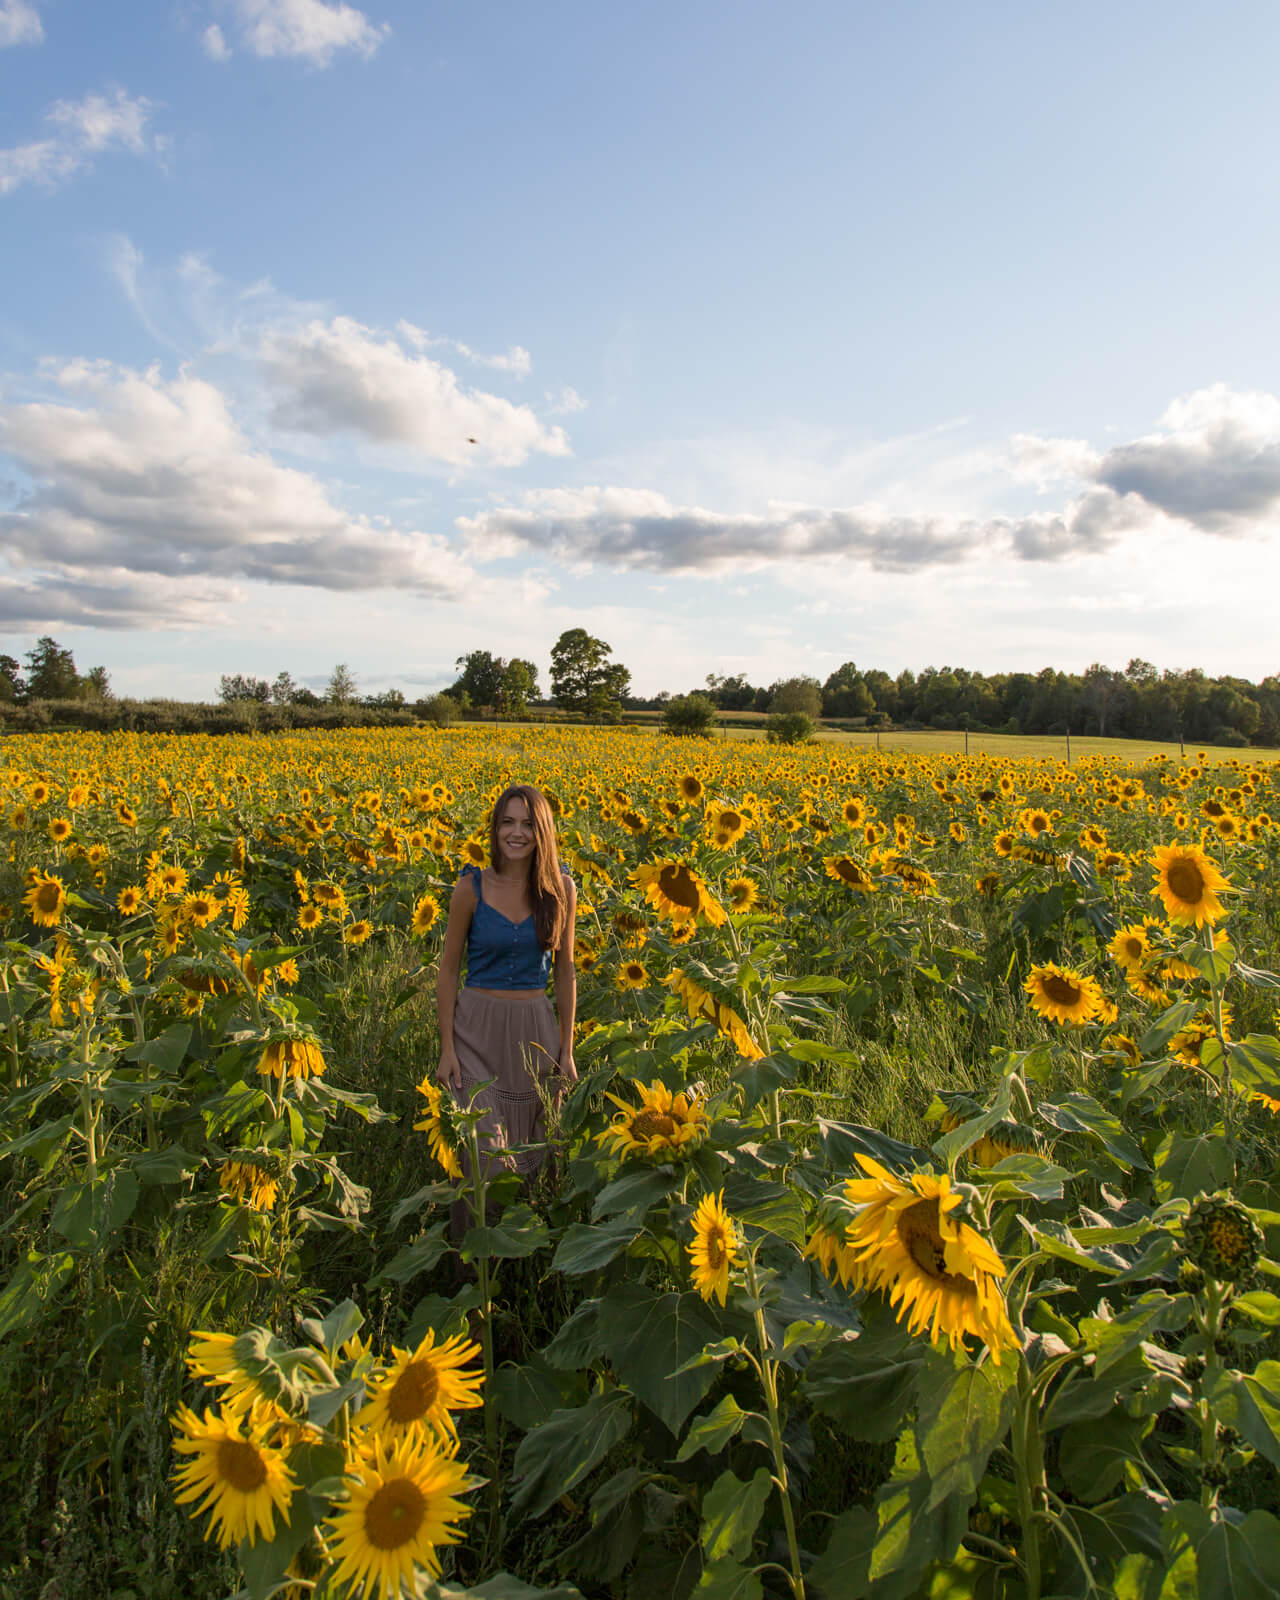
{"points": [[773, 1207], [47, 1133], [910, 1536], [1113, 1339], [953, 1145], [526, 1396], [519, 1233], [714, 1430], [502, 1586], [1233, 1560], [843, 1567], [1260, 1306], [1081, 1113], [559, 1453], [420, 1256], [1250, 1403], [1092, 1456], [265, 1563], [731, 1511], [170, 1165], [843, 1142], [1191, 1165], [332, 1331], [166, 1052], [811, 983], [586, 1247], [648, 1338], [325, 1405], [963, 1415], [866, 1385], [87, 1214], [578, 1341], [636, 1190], [34, 1289], [727, 1580], [430, 1194]]}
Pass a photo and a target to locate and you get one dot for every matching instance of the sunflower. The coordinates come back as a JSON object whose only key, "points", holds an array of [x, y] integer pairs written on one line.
{"points": [[854, 811], [1189, 1042], [988, 884], [219, 1359], [1004, 842], [714, 1248], [46, 899], [1188, 883], [248, 1184], [357, 932], [724, 826], [1123, 1045], [827, 1247], [663, 1125], [742, 893], [126, 814], [233, 1473], [441, 1138], [845, 870], [936, 1270], [675, 890], [60, 829], [329, 895], [426, 913], [18, 818], [1035, 821], [1062, 994], [703, 1006], [1131, 946], [689, 787], [294, 1058], [309, 918], [632, 975], [422, 1388], [401, 1506], [200, 909]]}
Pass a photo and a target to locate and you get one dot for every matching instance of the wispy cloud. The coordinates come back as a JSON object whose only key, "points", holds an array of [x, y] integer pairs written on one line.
{"points": [[311, 30], [19, 23], [82, 129]]}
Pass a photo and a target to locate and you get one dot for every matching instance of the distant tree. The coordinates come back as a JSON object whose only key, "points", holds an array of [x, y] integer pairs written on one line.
{"points": [[96, 684], [519, 686], [12, 688], [341, 688], [582, 676], [689, 715], [302, 696], [730, 694], [845, 694], [51, 672], [481, 680], [796, 694], [283, 689], [235, 686], [442, 709], [388, 700], [789, 727]]}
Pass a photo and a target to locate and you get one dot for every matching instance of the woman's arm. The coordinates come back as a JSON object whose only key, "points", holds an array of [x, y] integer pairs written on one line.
{"points": [[566, 976], [461, 905]]}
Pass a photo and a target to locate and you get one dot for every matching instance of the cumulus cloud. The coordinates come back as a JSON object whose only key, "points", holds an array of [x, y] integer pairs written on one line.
{"points": [[1213, 467], [515, 360], [111, 599], [340, 377], [134, 474], [313, 30], [81, 130], [19, 23]]}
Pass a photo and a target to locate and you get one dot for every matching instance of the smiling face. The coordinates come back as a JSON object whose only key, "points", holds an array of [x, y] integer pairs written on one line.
{"points": [[514, 829]]}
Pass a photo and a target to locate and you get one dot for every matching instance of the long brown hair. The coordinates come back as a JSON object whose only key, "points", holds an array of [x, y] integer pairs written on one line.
{"points": [[546, 881]]}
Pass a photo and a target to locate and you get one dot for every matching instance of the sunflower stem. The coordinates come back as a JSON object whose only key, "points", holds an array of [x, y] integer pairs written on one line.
{"points": [[769, 1382], [1211, 1322], [1028, 1457], [1225, 1084]]}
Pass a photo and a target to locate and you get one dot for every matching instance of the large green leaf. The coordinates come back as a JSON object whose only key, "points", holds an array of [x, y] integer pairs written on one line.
{"points": [[772, 1207], [843, 1142], [910, 1535], [731, 1511], [1113, 1338], [34, 1289], [843, 1569], [1092, 1455], [635, 1190], [265, 1562], [415, 1258], [964, 1413], [526, 1396], [1081, 1113], [586, 1247], [728, 1579], [559, 1453], [714, 1430], [88, 1213], [578, 1341], [866, 1385], [1234, 1560], [648, 1336], [1250, 1403], [1191, 1165], [519, 1232]]}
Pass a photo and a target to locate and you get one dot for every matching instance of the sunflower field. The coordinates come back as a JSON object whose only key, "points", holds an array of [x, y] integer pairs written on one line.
{"points": [[913, 1229]]}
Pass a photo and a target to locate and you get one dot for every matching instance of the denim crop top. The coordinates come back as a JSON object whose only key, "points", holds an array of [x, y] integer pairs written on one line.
{"points": [[502, 954]]}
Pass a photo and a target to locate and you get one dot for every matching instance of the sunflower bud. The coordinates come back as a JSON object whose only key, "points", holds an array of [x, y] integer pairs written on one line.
{"points": [[1221, 1237]]}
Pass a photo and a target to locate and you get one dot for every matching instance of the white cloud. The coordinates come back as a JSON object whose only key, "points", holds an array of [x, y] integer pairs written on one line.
{"points": [[19, 23], [132, 474], [566, 402], [313, 30], [340, 377], [84, 128], [515, 360], [1046, 462], [215, 44]]}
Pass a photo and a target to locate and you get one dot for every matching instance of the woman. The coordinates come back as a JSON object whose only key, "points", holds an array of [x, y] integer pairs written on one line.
{"points": [[513, 918]]}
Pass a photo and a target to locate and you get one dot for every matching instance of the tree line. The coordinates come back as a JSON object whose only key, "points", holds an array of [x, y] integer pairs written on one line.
{"points": [[50, 675]]}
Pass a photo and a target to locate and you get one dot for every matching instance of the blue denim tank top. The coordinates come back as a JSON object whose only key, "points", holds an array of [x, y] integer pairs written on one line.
{"points": [[502, 954]]}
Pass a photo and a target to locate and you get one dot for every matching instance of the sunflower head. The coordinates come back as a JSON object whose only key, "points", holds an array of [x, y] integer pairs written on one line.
{"points": [[714, 1249], [1221, 1237], [1189, 884], [665, 1126]]}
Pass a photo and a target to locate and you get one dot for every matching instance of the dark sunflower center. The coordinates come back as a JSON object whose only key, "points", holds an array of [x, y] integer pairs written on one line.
{"points": [[1039, 824], [413, 1393], [394, 1514], [918, 1230], [652, 1124], [241, 1465], [1061, 991], [1133, 948], [849, 871], [1186, 881], [716, 1252], [1228, 1239], [48, 896], [678, 885]]}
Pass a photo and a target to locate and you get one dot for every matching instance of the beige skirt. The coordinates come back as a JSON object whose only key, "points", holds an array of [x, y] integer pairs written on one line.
{"points": [[516, 1042]]}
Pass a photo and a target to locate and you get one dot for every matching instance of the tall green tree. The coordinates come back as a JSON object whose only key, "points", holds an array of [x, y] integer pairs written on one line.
{"points": [[582, 676], [481, 680], [12, 688], [51, 672], [341, 688]]}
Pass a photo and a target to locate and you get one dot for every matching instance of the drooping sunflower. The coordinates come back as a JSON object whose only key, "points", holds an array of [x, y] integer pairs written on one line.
{"points": [[676, 891], [664, 1125], [295, 1058], [234, 1474], [1063, 995], [440, 1138], [714, 1249], [401, 1507], [703, 1006], [937, 1271], [422, 1388], [1188, 883], [46, 899], [845, 870], [221, 1360], [248, 1184], [426, 913]]}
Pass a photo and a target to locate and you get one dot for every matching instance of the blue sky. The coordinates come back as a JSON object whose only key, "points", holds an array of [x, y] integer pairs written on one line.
{"points": [[907, 335]]}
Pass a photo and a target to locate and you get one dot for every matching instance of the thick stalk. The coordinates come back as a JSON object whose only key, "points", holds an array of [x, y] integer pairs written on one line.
{"points": [[1225, 1082], [1211, 1327], [1028, 1457], [769, 1382]]}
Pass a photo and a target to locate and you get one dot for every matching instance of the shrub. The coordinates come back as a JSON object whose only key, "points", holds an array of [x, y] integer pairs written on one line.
{"points": [[689, 715], [441, 709], [790, 727]]}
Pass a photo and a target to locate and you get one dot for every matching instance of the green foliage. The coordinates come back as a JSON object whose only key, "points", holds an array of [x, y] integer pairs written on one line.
{"points": [[689, 716]]}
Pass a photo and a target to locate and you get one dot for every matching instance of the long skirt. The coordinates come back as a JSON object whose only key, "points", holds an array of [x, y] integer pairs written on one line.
{"points": [[515, 1041]]}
